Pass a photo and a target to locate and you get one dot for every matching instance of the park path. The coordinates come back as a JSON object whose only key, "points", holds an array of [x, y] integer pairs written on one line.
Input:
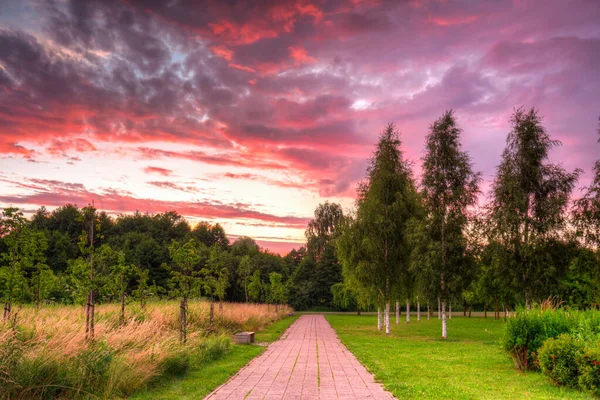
{"points": [[308, 362]]}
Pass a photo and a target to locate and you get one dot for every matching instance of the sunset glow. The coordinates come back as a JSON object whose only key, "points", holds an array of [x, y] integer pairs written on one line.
{"points": [[250, 114]]}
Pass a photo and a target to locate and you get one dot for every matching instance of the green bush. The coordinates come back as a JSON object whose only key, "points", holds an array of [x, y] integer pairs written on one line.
{"points": [[526, 333], [215, 347], [589, 369], [558, 359]]}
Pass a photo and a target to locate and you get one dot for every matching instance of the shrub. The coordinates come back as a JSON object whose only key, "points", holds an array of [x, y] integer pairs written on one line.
{"points": [[589, 369], [558, 359], [215, 347], [525, 334]]}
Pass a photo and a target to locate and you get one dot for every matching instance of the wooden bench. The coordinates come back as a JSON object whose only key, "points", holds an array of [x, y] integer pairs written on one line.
{"points": [[244, 337]]}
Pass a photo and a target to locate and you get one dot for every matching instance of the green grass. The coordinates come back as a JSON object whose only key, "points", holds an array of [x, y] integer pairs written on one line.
{"points": [[203, 379], [414, 362]]}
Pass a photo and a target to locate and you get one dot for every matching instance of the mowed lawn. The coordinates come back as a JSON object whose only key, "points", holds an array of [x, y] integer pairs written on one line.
{"points": [[415, 363], [203, 379]]}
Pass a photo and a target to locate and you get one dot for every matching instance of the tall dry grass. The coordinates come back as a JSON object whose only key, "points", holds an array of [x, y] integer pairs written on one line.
{"points": [[45, 354]]}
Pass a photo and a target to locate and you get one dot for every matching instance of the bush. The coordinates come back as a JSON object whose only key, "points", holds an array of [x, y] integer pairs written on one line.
{"points": [[589, 369], [526, 333], [558, 359]]}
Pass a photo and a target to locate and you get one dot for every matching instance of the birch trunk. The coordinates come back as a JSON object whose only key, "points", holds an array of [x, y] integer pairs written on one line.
{"points": [[397, 312], [450, 305], [439, 308], [407, 311], [428, 312], [387, 317], [418, 310], [378, 318], [444, 328]]}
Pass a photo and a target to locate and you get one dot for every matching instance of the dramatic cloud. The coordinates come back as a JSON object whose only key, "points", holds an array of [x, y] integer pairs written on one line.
{"points": [[274, 102]]}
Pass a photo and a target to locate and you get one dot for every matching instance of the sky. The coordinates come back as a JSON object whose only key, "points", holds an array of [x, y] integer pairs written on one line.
{"points": [[251, 113]]}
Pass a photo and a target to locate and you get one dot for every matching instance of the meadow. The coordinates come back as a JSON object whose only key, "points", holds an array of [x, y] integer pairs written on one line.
{"points": [[413, 362], [44, 353]]}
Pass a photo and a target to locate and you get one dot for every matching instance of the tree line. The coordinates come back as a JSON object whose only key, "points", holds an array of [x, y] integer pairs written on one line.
{"points": [[75, 255], [427, 242]]}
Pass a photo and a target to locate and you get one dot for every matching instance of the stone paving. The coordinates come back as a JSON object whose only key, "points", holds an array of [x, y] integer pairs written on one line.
{"points": [[308, 362]]}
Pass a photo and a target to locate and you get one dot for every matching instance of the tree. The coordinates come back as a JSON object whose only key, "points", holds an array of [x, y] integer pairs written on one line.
{"points": [[245, 271], [277, 292], [323, 229], [255, 287], [119, 274], [12, 278], [375, 250], [33, 249], [448, 187], [529, 200], [587, 210], [88, 215], [188, 259], [210, 235], [216, 276], [143, 290]]}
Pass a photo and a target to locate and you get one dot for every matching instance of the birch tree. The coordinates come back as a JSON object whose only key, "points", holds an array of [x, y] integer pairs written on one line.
{"points": [[374, 250], [449, 186], [529, 197]]}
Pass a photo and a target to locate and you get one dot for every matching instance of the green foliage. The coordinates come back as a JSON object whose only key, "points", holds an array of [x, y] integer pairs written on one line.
{"points": [[441, 258], [529, 199], [558, 359], [188, 260], [255, 287], [526, 333], [589, 368], [277, 291], [373, 247]]}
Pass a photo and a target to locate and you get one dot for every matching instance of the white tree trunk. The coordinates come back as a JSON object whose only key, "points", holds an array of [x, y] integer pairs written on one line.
{"points": [[428, 311], [387, 317], [439, 308], [418, 310], [444, 328], [378, 318], [397, 312], [407, 311], [450, 306]]}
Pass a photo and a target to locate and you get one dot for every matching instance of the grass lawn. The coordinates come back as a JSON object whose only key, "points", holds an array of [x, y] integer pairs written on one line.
{"points": [[414, 362], [202, 380]]}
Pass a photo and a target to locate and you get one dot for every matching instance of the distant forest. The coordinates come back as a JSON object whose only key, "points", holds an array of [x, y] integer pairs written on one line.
{"points": [[419, 242]]}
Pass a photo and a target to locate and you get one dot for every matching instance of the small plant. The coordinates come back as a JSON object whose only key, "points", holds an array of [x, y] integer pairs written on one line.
{"points": [[558, 359]]}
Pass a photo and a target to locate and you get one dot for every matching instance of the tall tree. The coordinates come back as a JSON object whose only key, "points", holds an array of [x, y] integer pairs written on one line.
{"points": [[587, 210], [448, 187], [375, 250], [529, 199]]}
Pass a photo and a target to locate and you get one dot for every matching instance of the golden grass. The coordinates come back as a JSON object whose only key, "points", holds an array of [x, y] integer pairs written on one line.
{"points": [[141, 349]]}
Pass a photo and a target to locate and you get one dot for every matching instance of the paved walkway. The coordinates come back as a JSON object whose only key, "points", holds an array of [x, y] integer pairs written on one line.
{"points": [[308, 362]]}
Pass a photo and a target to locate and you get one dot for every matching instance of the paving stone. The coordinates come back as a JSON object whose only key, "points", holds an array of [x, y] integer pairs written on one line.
{"points": [[310, 363]]}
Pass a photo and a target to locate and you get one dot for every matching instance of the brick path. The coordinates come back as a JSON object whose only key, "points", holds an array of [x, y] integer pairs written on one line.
{"points": [[308, 362]]}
